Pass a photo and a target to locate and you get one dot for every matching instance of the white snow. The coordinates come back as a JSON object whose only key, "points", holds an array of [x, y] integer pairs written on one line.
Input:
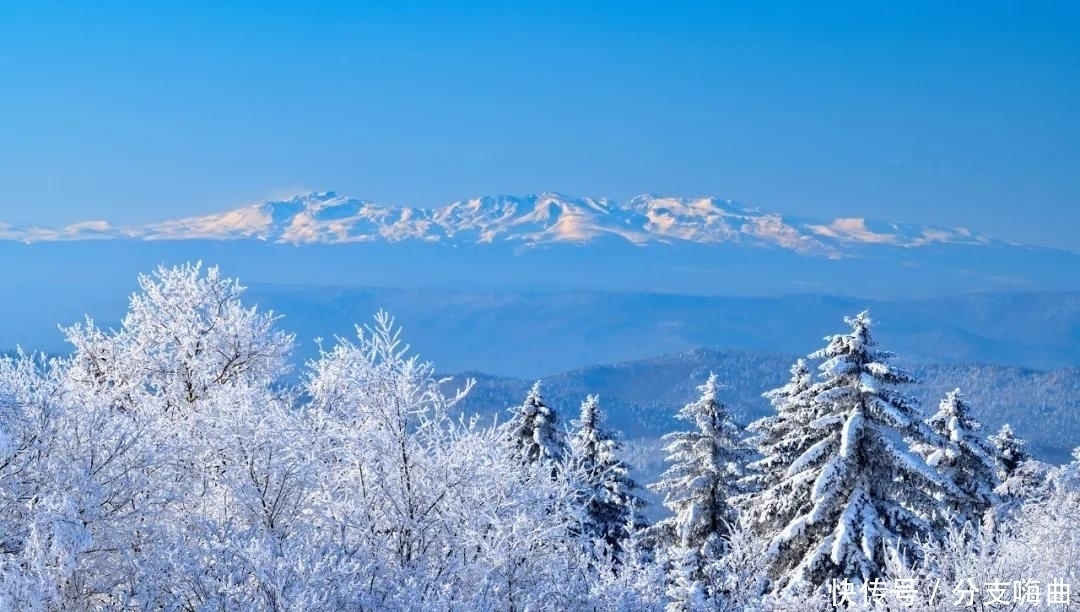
{"points": [[851, 229], [325, 217]]}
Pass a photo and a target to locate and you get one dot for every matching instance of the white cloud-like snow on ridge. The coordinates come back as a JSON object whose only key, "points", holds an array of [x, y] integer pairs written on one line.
{"points": [[327, 218]]}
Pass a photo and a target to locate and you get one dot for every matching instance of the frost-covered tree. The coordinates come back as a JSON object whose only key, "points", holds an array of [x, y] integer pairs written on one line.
{"points": [[534, 432], [186, 332], [704, 468], [1021, 478], [965, 458], [379, 414], [1015, 562], [134, 479], [164, 467], [154, 442], [870, 494], [630, 578], [771, 501], [31, 467], [608, 494], [1009, 452], [686, 591], [423, 512]]}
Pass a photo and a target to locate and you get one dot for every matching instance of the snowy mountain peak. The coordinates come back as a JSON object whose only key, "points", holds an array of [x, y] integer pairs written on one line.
{"points": [[549, 217]]}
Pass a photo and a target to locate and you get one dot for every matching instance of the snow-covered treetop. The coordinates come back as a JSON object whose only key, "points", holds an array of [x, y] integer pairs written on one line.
{"points": [[534, 399], [589, 437], [590, 417], [953, 416], [801, 380], [705, 412], [1010, 448], [186, 332], [856, 490], [534, 431], [965, 457], [857, 351]]}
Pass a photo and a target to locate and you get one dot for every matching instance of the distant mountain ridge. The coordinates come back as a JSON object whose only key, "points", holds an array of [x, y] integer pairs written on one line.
{"points": [[327, 218]]}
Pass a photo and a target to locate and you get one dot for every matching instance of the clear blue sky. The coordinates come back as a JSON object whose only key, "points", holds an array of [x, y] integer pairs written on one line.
{"points": [[950, 113]]}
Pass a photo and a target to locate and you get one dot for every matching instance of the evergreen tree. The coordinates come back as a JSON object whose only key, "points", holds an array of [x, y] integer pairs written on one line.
{"points": [[965, 458], [534, 435], [770, 501], [1020, 476], [1009, 451], [607, 491], [869, 494], [703, 475]]}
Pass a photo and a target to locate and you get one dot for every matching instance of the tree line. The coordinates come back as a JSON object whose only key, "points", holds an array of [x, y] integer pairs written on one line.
{"points": [[163, 466]]}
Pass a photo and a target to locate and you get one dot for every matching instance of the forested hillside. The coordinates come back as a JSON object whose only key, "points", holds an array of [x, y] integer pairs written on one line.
{"points": [[642, 396], [164, 465]]}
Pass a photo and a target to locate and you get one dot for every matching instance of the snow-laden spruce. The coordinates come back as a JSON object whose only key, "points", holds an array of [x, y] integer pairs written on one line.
{"points": [[534, 431], [965, 458], [704, 468], [771, 501], [871, 497], [1009, 451], [1021, 478], [607, 493], [686, 590]]}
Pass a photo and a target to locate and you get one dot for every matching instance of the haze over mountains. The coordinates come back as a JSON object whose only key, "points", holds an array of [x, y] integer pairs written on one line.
{"points": [[533, 333], [701, 246], [552, 285]]}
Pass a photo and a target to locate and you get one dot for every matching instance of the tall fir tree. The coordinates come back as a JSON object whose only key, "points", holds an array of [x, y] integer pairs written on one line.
{"points": [[870, 495], [770, 501], [607, 491], [705, 466], [534, 434], [965, 458]]}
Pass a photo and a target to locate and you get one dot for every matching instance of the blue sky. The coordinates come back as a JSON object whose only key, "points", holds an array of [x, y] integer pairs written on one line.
{"points": [[964, 114]]}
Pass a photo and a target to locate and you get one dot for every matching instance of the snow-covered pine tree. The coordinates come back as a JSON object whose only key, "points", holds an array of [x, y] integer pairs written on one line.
{"points": [[705, 466], [1020, 476], [534, 434], [1009, 451], [966, 459], [770, 502], [870, 495], [607, 491]]}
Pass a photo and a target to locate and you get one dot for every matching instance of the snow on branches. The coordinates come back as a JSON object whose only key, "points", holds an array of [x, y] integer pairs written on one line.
{"points": [[166, 465]]}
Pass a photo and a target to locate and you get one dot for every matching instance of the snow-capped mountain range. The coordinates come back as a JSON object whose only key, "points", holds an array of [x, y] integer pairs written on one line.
{"points": [[327, 218]]}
